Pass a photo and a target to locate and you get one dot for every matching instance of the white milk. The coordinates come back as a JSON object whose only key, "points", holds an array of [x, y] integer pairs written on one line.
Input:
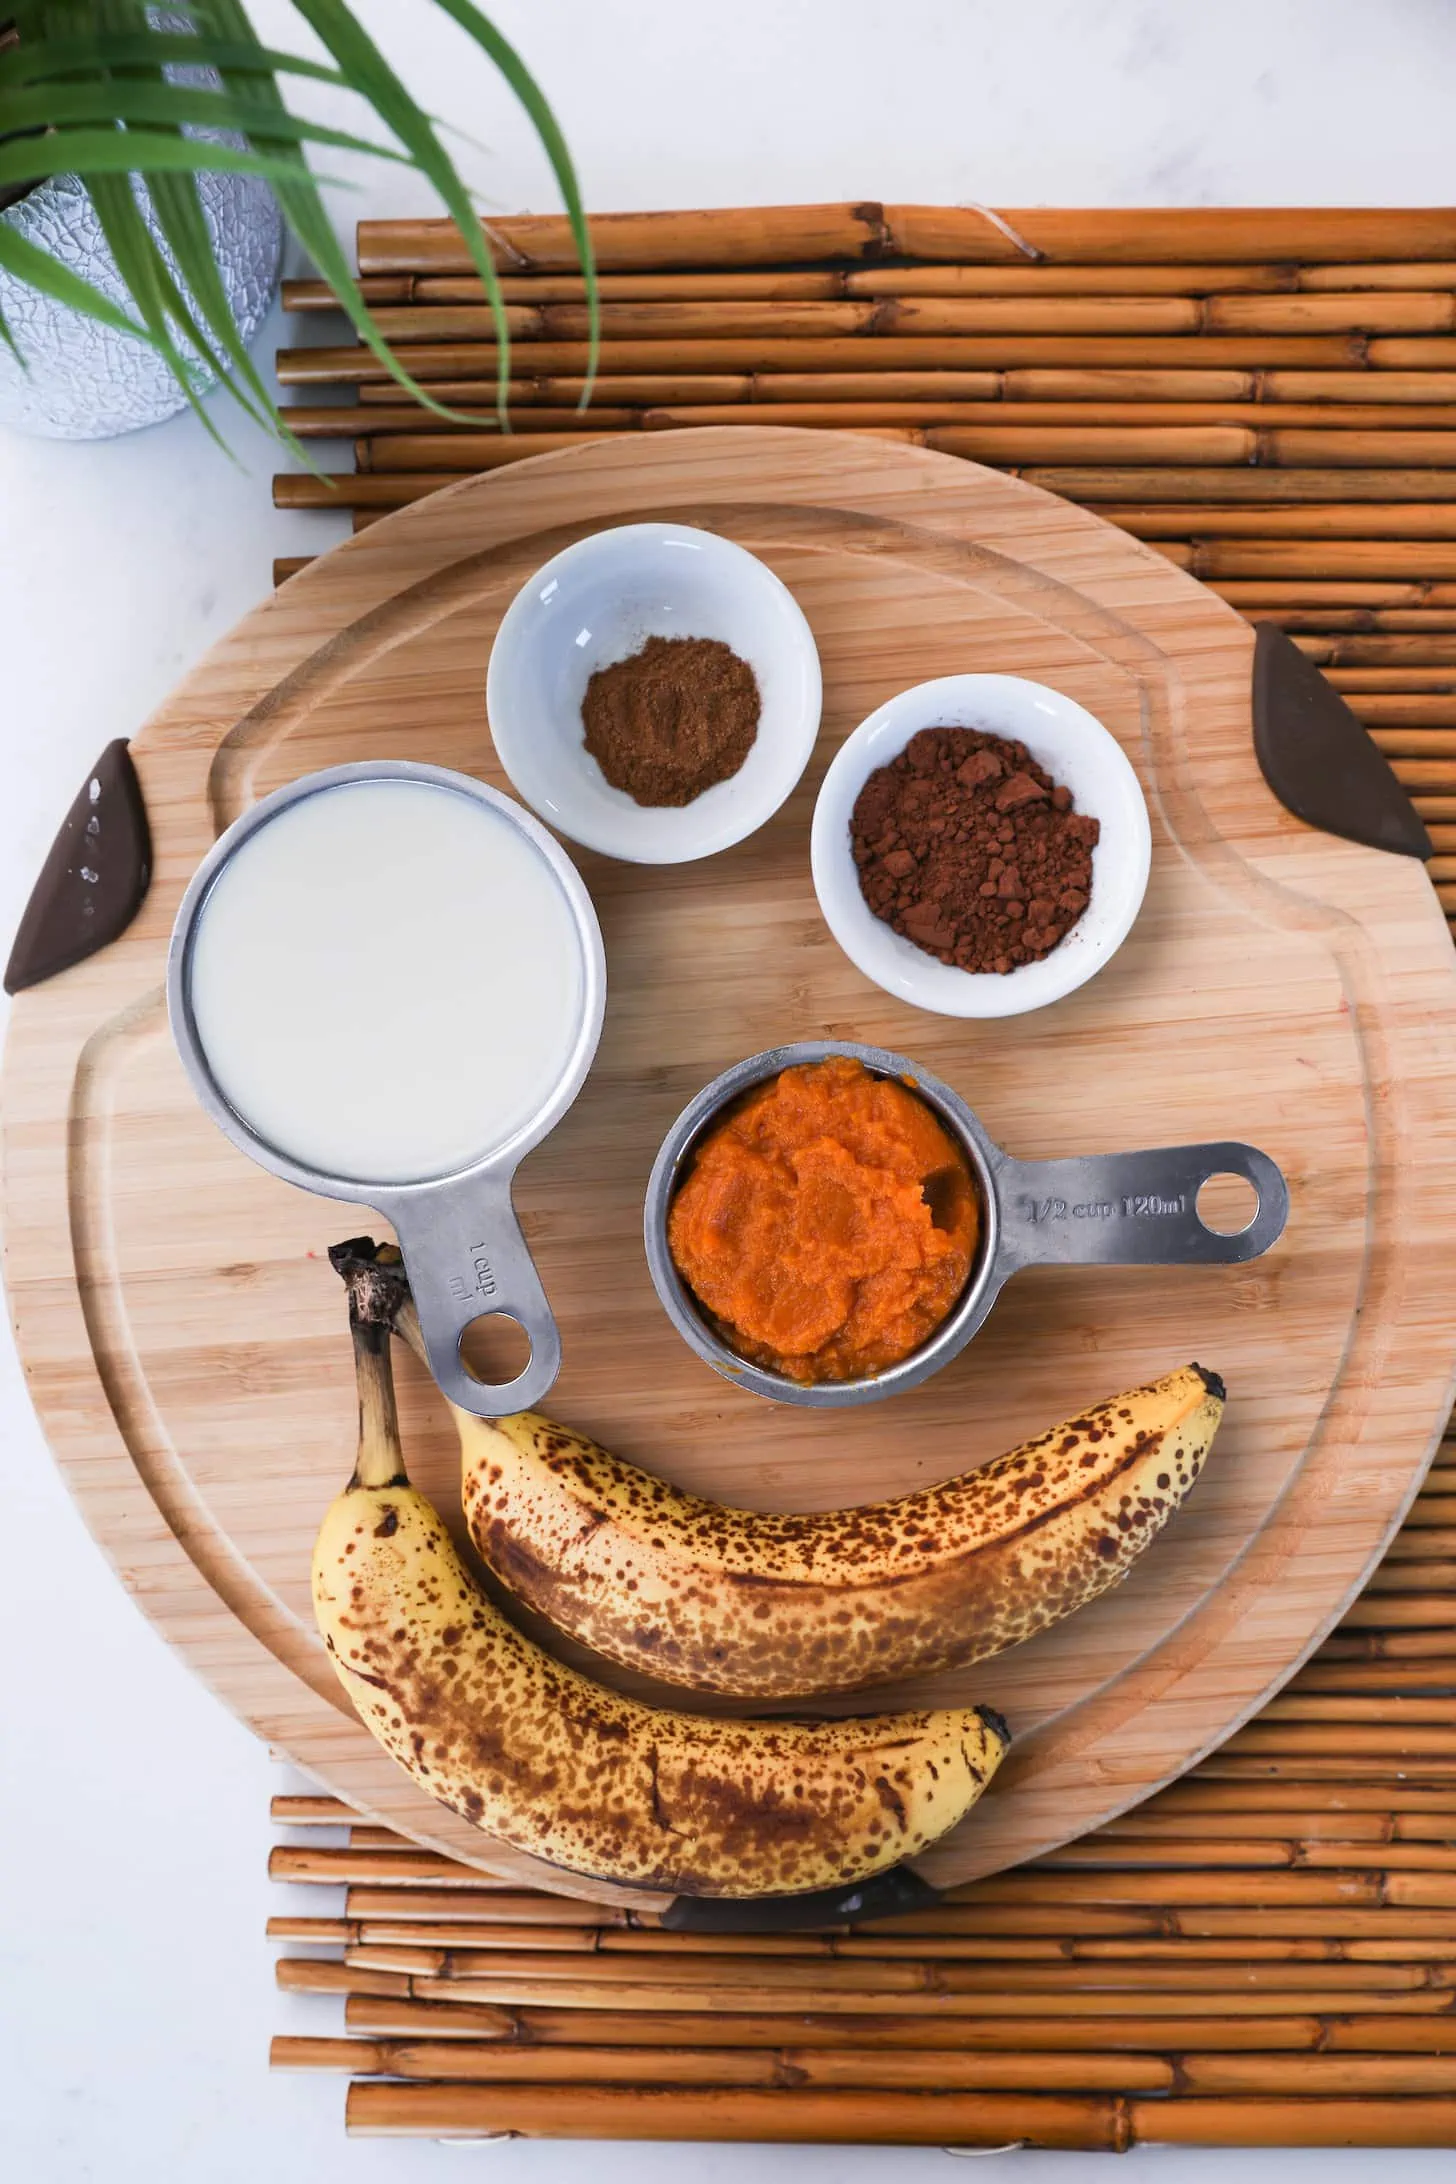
{"points": [[387, 980]]}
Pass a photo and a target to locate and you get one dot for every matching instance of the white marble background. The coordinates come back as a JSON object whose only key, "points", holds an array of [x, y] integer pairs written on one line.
{"points": [[136, 1995]]}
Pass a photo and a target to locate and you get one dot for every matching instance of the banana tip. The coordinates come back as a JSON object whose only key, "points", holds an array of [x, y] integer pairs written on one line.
{"points": [[1212, 1382], [996, 1723]]}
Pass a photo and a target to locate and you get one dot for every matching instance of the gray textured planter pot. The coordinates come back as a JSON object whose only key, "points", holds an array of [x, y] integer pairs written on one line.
{"points": [[85, 382]]}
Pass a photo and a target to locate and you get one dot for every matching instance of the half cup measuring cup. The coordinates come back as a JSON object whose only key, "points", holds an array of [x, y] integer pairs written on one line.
{"points": [[458, 1231], [1092, 1209]]}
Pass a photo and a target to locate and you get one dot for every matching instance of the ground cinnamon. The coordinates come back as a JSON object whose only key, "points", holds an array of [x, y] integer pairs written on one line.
{"points": [[967, 847], [673, 720]]}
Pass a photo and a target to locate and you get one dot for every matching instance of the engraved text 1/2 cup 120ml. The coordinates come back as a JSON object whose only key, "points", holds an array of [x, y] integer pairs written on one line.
{"points": [[386, 983], [1101, 1209]]}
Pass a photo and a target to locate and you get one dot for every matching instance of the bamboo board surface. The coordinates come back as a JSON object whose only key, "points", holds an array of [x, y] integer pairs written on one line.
{"points": [[153, 1265]]}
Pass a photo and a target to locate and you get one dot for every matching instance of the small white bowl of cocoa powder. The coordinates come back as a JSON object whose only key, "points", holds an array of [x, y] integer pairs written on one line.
{"points": [[654, 692], [981, 846]]}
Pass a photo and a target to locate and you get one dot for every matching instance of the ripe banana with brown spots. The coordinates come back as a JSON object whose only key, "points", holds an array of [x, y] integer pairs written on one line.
{"points": [[774, 1607], [541, 1757]]}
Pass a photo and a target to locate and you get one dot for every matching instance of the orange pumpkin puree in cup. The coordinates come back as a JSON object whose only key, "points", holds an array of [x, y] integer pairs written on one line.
{"points": [[827, 1224]]}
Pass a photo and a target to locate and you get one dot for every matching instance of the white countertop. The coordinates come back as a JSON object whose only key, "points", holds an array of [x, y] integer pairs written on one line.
{"points": [[136, 1996]]}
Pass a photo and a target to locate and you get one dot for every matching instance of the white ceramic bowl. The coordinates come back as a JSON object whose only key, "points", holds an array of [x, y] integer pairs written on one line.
{"points": [[1076, 749], [600, 601]]}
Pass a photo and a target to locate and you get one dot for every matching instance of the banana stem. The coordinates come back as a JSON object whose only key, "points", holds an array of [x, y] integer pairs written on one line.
{"points": [[372, 1303], [380, 1461], [379, 1293]]}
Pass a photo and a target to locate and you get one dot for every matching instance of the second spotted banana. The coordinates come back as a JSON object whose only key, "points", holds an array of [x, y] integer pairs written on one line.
{"points": [[767, 1606]]}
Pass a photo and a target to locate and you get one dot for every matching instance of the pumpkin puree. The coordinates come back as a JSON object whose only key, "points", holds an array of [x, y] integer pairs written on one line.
{"points": [[828, 1224]]}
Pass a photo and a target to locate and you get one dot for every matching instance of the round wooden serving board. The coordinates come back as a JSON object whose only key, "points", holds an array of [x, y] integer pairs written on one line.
{"points": [[185, 1339]]}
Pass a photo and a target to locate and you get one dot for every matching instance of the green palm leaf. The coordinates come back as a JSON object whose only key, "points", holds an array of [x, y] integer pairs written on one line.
{"points": [[91, 88]]}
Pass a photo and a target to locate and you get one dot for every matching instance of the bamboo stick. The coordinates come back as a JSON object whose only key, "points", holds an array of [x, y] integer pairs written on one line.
{"points": [[1338, 387], [1091, 482], [477, 361], [1411, 352], [1030, 384], [1398, 1937], [317, 1862], [1329, 649], [790, 286], [836, 1980], [379, 2109], [1413, 1929], [744, 2029], [751, 237], [947, 2069], [1345, 591], [1156, 1822], [1288, 1739], [1219, 235], [672, 319], [1360, 559], [318, 1975], [1412, 621], [1375, 1676], [299, 1812], [344, 420], [658, 389], [1301, 1991], [1154, 1849], [439, 1937], [316, 295], [1408, 312], [1072, 280], [486, 2063], [1432, 1509], [1010, 443], [503, 1906], [631, 390], [1422, 1610], [1082, 314], [1195, 1795], [1431, 274], [338, 1931], [1175, 1889], [1401, 1577], [665, 320], [1297, 2122], [1366, 520], [770, 406], [1369, 450], [756, 236], [1390, 1645], [1386, 398], [1315, 2074]]}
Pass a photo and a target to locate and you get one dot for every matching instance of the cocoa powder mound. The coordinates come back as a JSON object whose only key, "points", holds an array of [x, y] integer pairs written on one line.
{"points": [[673, 720], [968, 848]]}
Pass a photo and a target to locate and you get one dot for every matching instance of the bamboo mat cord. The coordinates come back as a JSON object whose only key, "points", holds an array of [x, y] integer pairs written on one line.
{"points": [[1265, 1953]]}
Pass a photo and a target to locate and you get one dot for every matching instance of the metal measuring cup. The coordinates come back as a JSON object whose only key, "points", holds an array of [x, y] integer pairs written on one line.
{"points": [[1093, 1209], [462, 1243]]}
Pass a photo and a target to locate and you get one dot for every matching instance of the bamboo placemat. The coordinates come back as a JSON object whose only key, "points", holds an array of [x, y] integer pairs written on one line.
{"points": [[1266, 1953]]}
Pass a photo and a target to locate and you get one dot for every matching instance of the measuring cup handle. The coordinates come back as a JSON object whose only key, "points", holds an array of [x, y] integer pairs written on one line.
{"points": [[465, 1257], [1133, 1209]]}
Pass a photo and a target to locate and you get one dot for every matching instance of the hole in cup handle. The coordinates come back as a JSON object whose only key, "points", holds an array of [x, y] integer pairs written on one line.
{"points": [[467, 1258], [1134, 1209]]}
